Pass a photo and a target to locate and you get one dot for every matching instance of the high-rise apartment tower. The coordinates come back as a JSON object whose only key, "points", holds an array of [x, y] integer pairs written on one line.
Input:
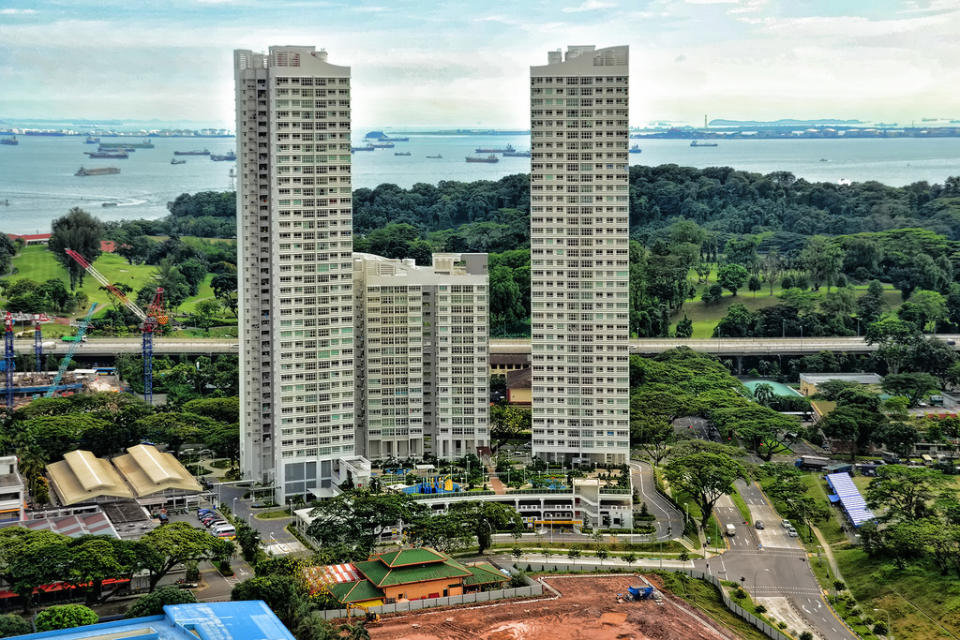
{"points": [[296, 273], [579, 240]]}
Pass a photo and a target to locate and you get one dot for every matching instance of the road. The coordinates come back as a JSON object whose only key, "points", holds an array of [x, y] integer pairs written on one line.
{"points": [[770, 564], [718, 346], [669, 518]]}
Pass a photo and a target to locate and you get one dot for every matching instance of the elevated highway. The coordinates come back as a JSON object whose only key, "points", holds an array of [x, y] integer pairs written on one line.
{"points": [[770, 347]]}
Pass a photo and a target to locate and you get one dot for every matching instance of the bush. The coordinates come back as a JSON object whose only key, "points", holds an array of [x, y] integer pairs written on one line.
{"points": [[152, 604], [760, 609], [739, 594], [518, 579], [64, 616], [806, 635], [880, 629], [223, 566], [13, 625]]}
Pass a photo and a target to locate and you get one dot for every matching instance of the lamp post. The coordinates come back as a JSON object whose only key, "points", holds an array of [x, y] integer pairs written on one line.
{"points": [[889, 627]]}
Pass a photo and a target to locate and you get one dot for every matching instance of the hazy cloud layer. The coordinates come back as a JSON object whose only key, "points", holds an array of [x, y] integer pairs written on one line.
{"points": [[454, 62]]}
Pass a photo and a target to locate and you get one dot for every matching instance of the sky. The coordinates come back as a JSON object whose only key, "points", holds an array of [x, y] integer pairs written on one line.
{"points": [[463, 63]]}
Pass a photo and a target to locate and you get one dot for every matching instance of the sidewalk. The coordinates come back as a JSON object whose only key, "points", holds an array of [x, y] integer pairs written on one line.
{"points": [[828, 552]]}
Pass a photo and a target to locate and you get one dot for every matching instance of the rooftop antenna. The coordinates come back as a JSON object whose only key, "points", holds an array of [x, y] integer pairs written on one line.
{"points": [[704, 121]]}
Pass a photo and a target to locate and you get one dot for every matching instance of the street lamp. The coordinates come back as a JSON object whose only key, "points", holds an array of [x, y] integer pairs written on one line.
{"points": [[889, 626]]}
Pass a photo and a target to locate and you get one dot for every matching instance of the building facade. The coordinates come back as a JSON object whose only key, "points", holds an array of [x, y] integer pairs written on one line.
{"points": [[579, 236], [295, 282], [422, 334]]}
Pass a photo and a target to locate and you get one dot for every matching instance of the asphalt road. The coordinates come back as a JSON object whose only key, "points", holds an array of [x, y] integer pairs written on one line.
{"points": [[670, 518], [771, 564]]}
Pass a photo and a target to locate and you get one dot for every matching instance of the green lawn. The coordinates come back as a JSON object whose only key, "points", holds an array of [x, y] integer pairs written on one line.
{"points": [[706, 597], [38, 264], [705, 317], [917, 598]]}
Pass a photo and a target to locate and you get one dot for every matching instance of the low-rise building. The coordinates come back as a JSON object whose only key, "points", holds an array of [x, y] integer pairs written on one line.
{"points": [[520, 386], [396, 576], [12, 494], [809, 382]]}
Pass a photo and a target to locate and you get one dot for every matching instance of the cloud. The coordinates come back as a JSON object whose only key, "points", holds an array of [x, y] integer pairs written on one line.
{"points": [[712, 1], [369, 9], [589, 5], [17, 12]]}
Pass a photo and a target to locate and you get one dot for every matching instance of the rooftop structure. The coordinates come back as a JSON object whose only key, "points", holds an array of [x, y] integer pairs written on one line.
{"points": [[810, 381], [407, 574], [141, 473], [246, 620], [96, 524], [850, 499]]}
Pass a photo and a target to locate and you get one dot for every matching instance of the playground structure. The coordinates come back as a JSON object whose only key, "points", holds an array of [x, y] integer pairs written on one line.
{"points": [[436, 484]]}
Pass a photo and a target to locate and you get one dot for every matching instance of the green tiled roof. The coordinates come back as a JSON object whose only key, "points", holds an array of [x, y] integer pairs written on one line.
{"points": [[383, 576], [483, 574], [411, 556], [359, 591]]}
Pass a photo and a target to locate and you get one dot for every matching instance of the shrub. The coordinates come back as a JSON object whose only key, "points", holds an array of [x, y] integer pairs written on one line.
{"points": [[64, 616], [760, 609], [880, 629], [13, 625], [806, 635]]}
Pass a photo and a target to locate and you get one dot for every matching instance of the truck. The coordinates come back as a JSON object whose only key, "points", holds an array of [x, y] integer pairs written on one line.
{"points": [[812, 463], [73, 339], [731, 530]]}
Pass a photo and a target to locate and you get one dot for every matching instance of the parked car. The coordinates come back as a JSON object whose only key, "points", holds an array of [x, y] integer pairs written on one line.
{"points": [[786, 524], [793, 533]]}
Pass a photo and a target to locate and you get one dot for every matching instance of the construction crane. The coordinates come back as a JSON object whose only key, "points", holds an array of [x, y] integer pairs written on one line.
{"points": [[38, 341], [152, 320], [8, 358], [67, 359]]}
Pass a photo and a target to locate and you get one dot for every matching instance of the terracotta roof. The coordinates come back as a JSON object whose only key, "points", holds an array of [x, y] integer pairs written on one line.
{"points": [[509, 358], [520, 378], [30, 236]]}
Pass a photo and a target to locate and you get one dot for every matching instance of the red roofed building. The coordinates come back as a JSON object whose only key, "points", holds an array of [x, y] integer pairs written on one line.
{"points": [[31, 238], [108, 246]]}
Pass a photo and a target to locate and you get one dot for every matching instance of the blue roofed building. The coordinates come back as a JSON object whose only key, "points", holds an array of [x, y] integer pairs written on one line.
{"points": [[248, 620], [847, 494]]}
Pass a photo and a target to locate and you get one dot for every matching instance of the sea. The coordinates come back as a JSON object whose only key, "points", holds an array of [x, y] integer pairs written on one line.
{"points": [[37, 181]]}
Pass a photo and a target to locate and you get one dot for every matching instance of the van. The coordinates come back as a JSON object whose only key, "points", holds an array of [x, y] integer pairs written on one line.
{"points": [[731, 530], [224, 530]]}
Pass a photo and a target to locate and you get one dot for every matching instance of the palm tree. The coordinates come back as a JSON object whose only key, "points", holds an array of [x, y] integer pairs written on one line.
{"points": [[763, 393], [32, 462]]}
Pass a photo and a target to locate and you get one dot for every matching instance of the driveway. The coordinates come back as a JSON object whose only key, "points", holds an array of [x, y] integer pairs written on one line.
{"points": [[668, 516]]}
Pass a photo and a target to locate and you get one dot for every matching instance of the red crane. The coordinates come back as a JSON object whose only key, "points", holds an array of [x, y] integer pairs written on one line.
{"points": [[152, 320]]}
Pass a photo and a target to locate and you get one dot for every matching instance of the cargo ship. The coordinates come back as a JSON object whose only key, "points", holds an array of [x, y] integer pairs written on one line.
{"points": [[107, 154], [369, 147], [175, 161], [506, 149], [383, 145], [103, 149], [192, 153], [490, 158], [103, 171], [697, 143], [402, 153], [92, 140], [11, 140], [146, 144], [516, 154], [229, 156], [436, 157], [635, 149]]}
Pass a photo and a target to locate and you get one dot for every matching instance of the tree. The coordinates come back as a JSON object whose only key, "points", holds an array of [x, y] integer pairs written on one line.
{"points": [[913, 386], [754, 285], [94, 559], [174, 429], [225, 290], [249, 540], [283, 594], [652, 434], [226, 410], [80, 231], [823, 260], [856, 425], [178, 543], [732, 277], [895, 340], [64, 616], [705, 477], [152, 604], [205, 313], [485, 518], [905, 493], [13, 625], [870, 307], [354, 631], [507, 422], [899, 437], [712, 294], [932, 307], [357, 517], [684, 328], [763, 393]]}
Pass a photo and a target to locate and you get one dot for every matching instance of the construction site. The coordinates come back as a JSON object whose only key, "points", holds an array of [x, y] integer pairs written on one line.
{"points": [[620, 607]]}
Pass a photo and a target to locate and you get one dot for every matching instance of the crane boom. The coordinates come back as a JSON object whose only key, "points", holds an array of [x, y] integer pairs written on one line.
{"points": [[99, 277], [81, 331]]}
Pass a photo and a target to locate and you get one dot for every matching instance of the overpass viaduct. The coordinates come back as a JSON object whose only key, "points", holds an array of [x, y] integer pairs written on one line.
{"points": [[770, 347]]}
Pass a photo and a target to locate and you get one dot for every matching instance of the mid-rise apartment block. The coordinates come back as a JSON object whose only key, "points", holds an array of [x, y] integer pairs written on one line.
{"points": [[579, 235], [295, 262], [422, 336]]}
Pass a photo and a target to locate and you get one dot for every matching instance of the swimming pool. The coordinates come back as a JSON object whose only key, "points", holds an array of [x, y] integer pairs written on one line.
{"points": [[779, 389]]}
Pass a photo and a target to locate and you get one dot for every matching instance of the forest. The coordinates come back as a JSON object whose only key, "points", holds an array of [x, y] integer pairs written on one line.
{"points": [[805, 251]]}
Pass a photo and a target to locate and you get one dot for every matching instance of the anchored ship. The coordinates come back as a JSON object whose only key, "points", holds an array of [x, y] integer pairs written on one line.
{"points": [[490, 158], [103, 171]]}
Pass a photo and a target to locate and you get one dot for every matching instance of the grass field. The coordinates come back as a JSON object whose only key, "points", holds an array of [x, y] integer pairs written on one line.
{"points": [[38, 264], [705, 317], [921, 602]]}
